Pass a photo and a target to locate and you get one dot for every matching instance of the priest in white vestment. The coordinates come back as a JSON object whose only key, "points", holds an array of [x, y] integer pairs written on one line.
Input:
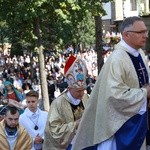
{"points": [[116, 117]]}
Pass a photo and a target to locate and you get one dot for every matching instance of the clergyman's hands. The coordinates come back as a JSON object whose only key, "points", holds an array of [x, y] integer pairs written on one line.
{"points": [[38, 139], [147, 87]]}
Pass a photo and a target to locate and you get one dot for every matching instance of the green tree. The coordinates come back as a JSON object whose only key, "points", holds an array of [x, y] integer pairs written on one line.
{"points": [[3, 33]]}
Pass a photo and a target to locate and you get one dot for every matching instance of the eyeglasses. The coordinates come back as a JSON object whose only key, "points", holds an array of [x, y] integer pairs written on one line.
{"points": [[145, 32]]}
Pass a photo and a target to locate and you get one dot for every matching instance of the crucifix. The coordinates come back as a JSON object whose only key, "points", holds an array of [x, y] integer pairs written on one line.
{"points": [[142, 70]]}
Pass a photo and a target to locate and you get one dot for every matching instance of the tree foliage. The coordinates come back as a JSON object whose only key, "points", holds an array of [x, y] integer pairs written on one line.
{"points": [[62, 22]]}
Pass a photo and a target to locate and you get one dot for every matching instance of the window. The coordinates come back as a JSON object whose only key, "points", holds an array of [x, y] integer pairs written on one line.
{"points": [[133, 5]]}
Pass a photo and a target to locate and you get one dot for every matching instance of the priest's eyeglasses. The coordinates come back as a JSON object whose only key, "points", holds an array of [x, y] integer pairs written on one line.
{"points": [[144, 32]]}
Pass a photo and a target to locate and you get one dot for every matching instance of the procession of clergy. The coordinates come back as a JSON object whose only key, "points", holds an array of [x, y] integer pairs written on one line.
{"points": [[114, 115]]}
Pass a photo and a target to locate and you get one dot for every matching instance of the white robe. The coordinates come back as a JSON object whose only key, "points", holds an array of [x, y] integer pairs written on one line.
{"points": [[110, 144], [28, 122]]}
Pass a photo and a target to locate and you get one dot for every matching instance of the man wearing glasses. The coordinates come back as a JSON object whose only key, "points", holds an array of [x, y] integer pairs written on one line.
{"points": [[118, 102]]}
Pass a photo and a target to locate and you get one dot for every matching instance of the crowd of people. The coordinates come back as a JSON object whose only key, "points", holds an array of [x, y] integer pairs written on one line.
{"points": [[109, 111], [24, 72]]}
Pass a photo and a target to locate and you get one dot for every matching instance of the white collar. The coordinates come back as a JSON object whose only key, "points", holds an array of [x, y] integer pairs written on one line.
{"points": [[32, 114], [131, 50], [73, 100]]}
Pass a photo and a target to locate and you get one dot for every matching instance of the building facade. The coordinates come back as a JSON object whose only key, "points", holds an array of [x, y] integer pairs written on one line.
{"points": [[120, 9]]}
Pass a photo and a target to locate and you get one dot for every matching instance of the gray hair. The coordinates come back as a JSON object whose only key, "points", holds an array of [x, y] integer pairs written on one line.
{"points": [[128, 22]]}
